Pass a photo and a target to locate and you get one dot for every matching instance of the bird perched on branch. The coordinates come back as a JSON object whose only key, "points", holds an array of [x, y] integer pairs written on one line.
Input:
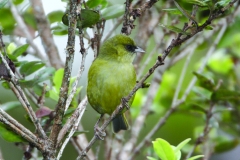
{"points": [[112, 77]]}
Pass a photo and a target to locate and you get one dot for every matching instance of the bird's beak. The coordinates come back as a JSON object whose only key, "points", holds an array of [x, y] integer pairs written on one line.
{"points": [[140, 50]]}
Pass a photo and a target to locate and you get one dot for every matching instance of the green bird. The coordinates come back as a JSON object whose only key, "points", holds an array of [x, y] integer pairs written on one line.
{"points": [[112, 76]]}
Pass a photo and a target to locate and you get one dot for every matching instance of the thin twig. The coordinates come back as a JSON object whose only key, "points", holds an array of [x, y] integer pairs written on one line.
{"points": [[26, 32], [78, 116]]}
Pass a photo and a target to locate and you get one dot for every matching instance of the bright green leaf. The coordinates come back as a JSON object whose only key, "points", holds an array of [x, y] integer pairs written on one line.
{"points": [[151, 158], [9, 135], [200, 3], [195, 157], [181, 145], [95, 3], [163, 149], [16, 2], [10, 48]]}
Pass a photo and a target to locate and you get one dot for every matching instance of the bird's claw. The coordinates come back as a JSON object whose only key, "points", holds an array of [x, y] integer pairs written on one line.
{"points": [[125, 103], [99, 133]]}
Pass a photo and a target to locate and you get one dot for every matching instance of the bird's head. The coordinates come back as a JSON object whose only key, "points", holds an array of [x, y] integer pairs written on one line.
{"points": [[119, 48]]}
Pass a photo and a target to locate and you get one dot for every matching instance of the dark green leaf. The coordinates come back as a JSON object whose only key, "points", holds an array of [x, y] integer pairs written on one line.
{"points": [[95, 3], [87, 19], [205, 82], [55, 16], [185, 13], [173, 11], [226, 145], [20, 50], [200, 3], [31, 67], [9, 135], [225, 95], [175, 29]]}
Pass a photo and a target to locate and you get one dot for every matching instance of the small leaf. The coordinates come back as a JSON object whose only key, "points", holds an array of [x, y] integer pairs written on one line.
{"points": [[20, 50], [43, 111], [175, 29], [225, 95], [31, 67], [151, 158], [95, 3], [200, 3], [195, 157], [163, 149], [181, 145], [10, 105], [185, 13], [226, 146], [9, 135], [205, 82], [55, 16], [87, 18], [173, 11]]}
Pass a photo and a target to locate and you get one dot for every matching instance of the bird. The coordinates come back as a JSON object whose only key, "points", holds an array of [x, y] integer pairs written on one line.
{"points": [[111, 77]]}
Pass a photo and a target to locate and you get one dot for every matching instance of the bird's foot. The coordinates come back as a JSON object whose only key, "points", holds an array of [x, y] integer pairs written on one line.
{"points": [[125, 103], [99, 133]]}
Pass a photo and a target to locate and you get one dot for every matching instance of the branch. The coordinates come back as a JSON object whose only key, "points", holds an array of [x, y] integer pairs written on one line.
{"points": [[130, 17], [60, 108], [45, 34]]}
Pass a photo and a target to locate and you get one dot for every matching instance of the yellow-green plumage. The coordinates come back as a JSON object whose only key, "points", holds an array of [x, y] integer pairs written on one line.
{"points": [[111, 77]]}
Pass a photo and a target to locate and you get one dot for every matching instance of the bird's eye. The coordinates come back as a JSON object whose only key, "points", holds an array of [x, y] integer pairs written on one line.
{"points": [[130, 48]]}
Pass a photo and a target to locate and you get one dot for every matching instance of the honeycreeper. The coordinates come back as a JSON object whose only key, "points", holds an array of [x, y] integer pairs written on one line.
{"points": [[112, 76]]}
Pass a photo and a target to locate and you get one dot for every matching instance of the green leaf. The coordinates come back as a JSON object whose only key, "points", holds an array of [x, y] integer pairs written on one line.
{"points": [[185, 13], [181, 145], [57, 78], [113, 11], [7, 22], [10, 105], [16, 2], [163, 149], [173, 11], [151, 158], [225, 95], [29, 18], [3, 3], [95, 3], [175, 29], [226, 146], [55, 16], [5, 85], [195, 157], [205, 82], [9, 135], [31, 67], [87, 19], [177, 153], [20, 50], [200, 3]]}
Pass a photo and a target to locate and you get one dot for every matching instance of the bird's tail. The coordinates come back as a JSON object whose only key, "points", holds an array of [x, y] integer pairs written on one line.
{"points": [[120, 123]]}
